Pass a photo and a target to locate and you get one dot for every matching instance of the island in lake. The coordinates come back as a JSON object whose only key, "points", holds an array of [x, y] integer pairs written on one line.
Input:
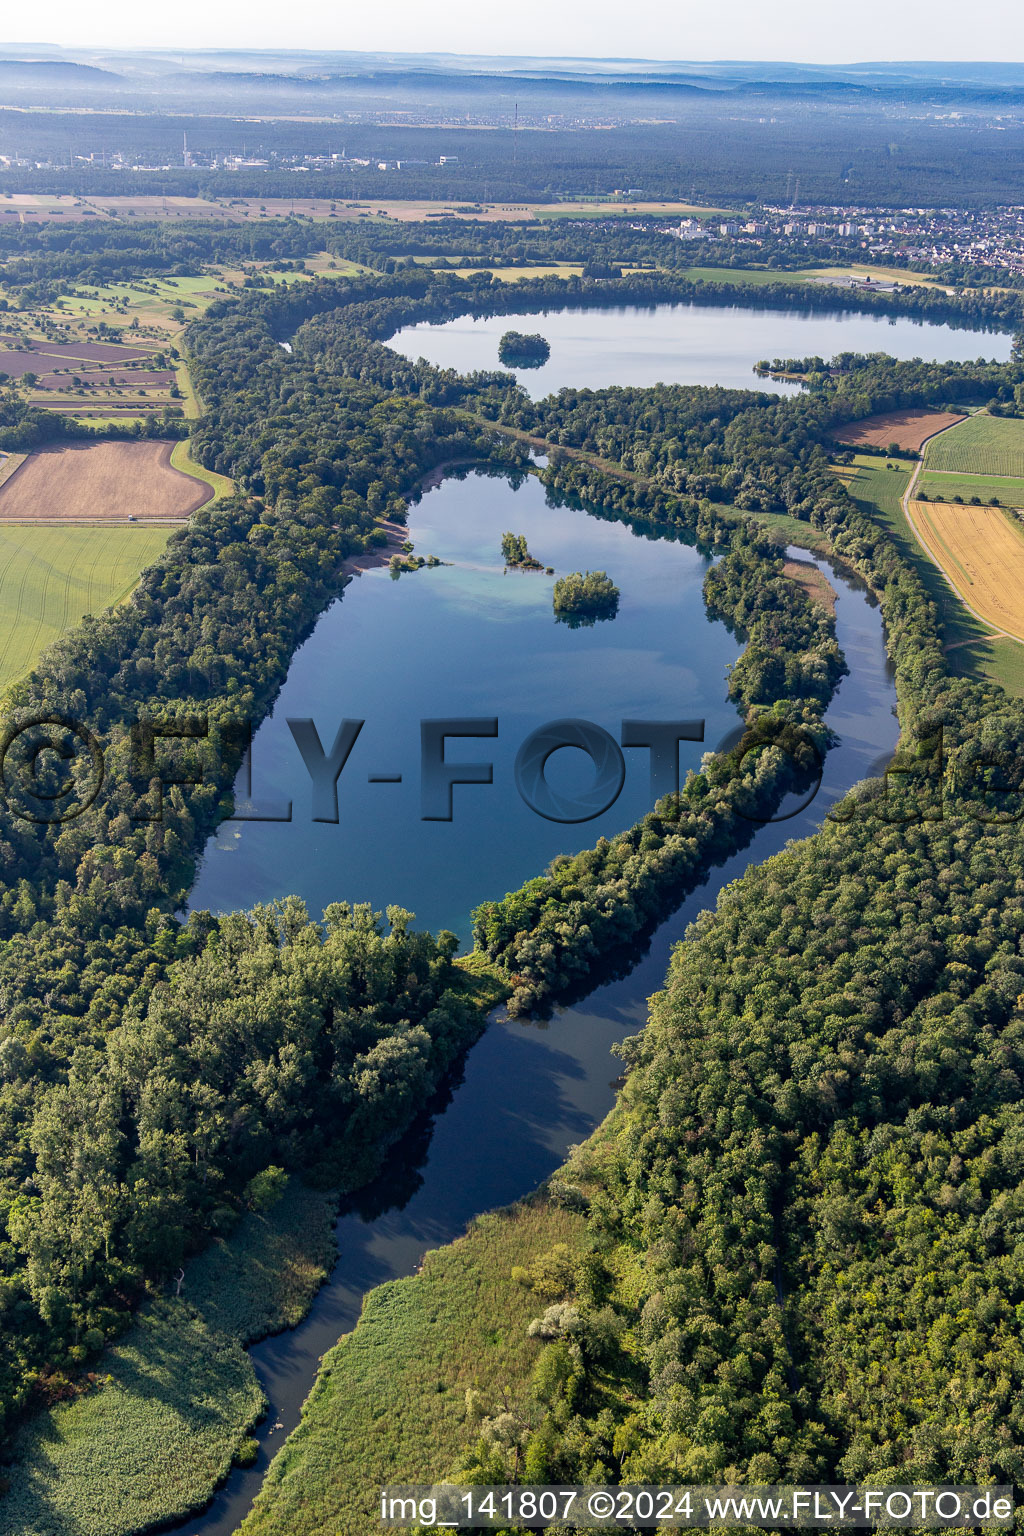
{"points": [[522, 349], [515, 553], [583, 597]]}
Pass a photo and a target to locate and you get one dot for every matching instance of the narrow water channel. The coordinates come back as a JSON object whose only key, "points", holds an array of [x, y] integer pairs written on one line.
{"points": [[527, 1092]]}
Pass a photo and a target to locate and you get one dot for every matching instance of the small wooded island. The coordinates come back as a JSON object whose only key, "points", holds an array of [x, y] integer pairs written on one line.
{"points": [[521, 349], [515, 553], [583, 597]]}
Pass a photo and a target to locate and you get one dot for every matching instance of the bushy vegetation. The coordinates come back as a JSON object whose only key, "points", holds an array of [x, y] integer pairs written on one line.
{"points": [[558, 933], [514, 552], [810, 1185], [803, 1213], [86, 913], [852, 1007], [453, 1342], [585, 596], [523, 349], [158, 1426]]}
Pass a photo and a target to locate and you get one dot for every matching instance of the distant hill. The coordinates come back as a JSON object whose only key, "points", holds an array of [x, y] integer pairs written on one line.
{"points": [[54, 72]]}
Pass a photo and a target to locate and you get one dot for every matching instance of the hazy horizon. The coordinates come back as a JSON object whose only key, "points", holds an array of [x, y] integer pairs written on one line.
{"points": [[798, 32]]}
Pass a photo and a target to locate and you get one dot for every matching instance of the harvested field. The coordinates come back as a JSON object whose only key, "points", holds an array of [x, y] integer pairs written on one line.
{"points": [[31, 207], [982, 554], [95, 351], [94, 379], [910, 429], [48, 355], [100, 482]]}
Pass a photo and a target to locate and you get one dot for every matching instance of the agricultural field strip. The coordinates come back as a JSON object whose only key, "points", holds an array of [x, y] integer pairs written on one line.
{"points": [[51, 576], [986, 544], [947, 484], [982, 445]]}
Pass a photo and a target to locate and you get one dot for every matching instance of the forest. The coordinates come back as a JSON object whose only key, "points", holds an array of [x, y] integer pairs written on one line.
{"points": [[825, 1102], [844, 148]]}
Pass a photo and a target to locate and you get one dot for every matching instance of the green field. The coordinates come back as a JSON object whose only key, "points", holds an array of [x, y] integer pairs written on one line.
{"points": [[971, 648], [181, 458], [390, 1400], [148, 298], [178, 1395], [51, 576], [1010, 492], [740, 275], [520, 274], [981, 445]]}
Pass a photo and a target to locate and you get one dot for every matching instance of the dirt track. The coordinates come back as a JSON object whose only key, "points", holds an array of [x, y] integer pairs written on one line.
{"points": [[100, 482]]}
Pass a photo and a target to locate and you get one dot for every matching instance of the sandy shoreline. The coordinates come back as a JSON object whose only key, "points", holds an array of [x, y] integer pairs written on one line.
{"points": [[370, 559]]}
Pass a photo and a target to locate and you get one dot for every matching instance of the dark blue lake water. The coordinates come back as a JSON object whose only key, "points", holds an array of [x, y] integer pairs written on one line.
{"points": [[527, 1092], [471, 638]]}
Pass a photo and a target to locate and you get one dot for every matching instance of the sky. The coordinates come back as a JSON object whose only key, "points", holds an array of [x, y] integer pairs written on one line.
{"points": [[810, 31]]}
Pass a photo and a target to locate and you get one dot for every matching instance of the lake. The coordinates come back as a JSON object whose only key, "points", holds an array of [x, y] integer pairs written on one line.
{"points": [[685, 344], [470, 639]]}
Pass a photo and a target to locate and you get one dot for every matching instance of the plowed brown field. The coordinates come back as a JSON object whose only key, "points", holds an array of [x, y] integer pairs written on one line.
{"points": [[100, 482], [910, 429]]}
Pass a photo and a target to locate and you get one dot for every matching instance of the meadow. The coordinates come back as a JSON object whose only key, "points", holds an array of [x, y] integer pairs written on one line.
{"points": [[179, 1394], [746, 276], [981, 445], [396, 1386], [181, 459], [51, 576], [947, 486]]}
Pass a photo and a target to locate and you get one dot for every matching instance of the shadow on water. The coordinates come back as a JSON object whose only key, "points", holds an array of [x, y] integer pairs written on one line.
{"points": [[526, 1092]]}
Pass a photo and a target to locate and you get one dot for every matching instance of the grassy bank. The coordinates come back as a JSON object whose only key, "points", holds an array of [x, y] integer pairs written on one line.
{"points": [[390, 1400], [181, 458], [178, 1394]]}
